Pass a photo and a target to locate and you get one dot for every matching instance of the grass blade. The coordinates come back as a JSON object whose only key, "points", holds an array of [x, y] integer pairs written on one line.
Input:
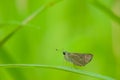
{"points": [[63, 68]]}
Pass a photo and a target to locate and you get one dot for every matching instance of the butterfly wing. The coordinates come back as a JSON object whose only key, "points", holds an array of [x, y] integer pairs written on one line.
{"points": [[77, 59], [88, 58], [80, 59]]}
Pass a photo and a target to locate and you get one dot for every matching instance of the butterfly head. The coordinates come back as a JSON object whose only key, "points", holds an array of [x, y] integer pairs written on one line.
{"points": [[64, 52]]}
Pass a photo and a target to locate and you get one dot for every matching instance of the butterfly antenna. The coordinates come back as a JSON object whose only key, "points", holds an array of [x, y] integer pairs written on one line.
{"points": [[61, 51]]}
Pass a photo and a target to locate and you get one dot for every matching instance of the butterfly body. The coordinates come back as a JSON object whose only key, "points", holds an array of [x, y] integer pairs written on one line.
{"points": [[79, 59]]}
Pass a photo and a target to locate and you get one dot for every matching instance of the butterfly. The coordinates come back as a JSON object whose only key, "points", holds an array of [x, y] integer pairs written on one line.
{"points": [[78, 59]]}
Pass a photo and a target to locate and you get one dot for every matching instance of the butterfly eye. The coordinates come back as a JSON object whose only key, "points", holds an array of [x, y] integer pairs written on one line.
{"points": [[64, 53]]}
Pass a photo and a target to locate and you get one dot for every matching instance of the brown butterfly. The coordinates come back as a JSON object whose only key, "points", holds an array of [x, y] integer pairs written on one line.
{"points": [[78, 59]]}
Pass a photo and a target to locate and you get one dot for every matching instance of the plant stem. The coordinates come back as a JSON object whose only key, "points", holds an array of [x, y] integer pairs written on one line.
{"points": [[106, 10], [25, 21]]}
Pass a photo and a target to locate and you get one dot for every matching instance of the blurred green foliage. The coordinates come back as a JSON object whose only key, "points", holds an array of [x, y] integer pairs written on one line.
{"points": [[71, 25]]}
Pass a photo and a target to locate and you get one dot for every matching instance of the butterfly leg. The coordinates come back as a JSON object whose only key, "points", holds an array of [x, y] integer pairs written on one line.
{"points": [[74, 66]]}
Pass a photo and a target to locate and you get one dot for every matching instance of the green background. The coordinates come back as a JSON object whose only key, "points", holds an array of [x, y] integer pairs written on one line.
{"points": [[72, 25]]}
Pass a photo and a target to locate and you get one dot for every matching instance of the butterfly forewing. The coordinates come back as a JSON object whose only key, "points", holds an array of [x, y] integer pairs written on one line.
{"points": [[88, 58], [80, 59]]}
